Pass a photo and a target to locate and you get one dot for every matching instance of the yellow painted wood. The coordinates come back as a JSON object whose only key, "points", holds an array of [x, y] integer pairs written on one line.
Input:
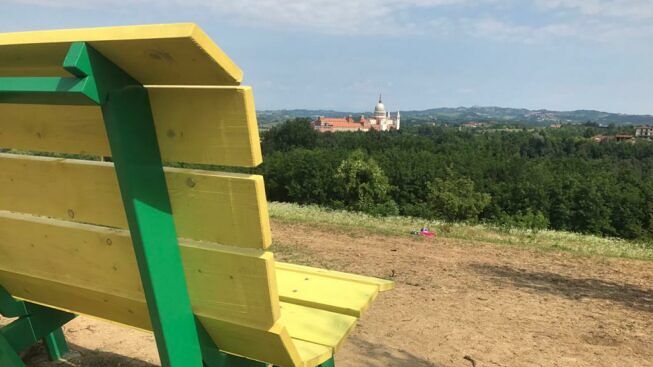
{"points": [[152, 54], [272, 346], [312, 354], [317, 326], [326, 293], [212, 125], [215, 125], [383, 284], [226, 208], [91, 270], [233, 284]]}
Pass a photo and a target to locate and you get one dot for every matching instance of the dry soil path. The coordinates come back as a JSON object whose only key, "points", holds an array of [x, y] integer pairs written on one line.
{"points": [[456, 304]]}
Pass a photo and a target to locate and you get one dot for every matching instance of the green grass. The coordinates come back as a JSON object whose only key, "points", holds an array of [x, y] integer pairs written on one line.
{"points": [[360, 223]]}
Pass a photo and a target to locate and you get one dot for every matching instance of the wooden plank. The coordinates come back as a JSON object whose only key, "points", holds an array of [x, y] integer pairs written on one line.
{"points": [[317, 326], [235, 285], [213, 125], [133, 312], [226, 208], [92, 270], [383, 284], [312, 354], [152, 54], [275, 343], [326, 293]]}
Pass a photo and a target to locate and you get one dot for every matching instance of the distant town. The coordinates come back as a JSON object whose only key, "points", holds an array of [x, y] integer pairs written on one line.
{"points": [[616, 126], [380, 121]]}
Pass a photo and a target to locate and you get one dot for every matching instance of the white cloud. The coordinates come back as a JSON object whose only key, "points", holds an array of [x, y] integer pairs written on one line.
{"points": [[585, 20], [628, 9]]}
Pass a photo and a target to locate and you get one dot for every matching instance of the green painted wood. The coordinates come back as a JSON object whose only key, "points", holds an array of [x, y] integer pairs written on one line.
{"points": [[45, 320], [135, 151], [86, 63], [19, 334], [9, 306], [330, 363], [35, 322], [46, 90], [55, 345], [28, 330], [8, 356]]}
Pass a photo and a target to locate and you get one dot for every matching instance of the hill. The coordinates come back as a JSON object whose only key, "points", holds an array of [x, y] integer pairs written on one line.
{"points": [[475, 113]]}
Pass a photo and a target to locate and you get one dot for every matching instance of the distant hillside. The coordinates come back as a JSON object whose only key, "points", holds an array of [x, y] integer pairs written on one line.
{"points": [[476, 113]]}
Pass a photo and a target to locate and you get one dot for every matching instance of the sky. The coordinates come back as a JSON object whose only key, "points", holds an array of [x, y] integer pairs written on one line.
{"points": [[320, 54]]}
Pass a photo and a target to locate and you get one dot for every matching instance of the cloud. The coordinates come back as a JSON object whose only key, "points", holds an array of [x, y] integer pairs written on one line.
{"points": [[499, 20], [628, 9]]}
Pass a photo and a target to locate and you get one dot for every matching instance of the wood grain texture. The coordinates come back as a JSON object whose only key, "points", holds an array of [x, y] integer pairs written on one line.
{"points": [[224, 281], [335, 295], [317, 326], [382, 284], [92, 270], [225, 208], [152, 54], [213, 125]]}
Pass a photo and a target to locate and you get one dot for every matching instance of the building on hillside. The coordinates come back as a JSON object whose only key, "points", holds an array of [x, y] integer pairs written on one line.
{"points": [[380, 120], [473, 124], [618, 137], [624, 137], [644, 132]]}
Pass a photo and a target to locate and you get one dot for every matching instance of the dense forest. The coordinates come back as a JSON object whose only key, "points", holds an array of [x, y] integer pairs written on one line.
{"points": [[530, 178]]}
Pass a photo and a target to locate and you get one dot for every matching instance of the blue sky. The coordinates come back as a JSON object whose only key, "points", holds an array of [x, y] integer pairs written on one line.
{"points": [[555, 54]]}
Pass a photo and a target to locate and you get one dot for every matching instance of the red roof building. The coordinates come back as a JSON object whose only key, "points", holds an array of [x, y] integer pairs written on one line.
{"points": [[381, 120]]}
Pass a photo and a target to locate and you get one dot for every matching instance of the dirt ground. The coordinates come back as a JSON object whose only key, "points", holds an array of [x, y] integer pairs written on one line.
{"points": [[456, 304]]}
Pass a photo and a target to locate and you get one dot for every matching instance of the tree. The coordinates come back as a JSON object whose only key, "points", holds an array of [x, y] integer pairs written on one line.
{"points": [[455, 199], [364, 186], [297, 133]]}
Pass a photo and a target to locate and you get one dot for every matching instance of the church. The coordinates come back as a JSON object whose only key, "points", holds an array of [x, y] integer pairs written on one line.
{"points": [[380, 120]]}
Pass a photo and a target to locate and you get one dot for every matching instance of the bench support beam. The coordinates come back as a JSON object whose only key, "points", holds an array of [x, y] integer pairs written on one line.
{"points": [[134, 147], [34, 323]]}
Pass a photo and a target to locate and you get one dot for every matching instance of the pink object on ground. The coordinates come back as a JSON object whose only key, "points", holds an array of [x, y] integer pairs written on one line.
{"points": [[427, 233]]}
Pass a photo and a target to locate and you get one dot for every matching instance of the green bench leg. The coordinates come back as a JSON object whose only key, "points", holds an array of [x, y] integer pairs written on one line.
{"points": [[135, 151], [34, 323], [8, 356], [55, 345]]}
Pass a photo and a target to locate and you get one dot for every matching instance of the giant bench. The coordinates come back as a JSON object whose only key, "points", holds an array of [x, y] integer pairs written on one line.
{"points": [[133, 238]]}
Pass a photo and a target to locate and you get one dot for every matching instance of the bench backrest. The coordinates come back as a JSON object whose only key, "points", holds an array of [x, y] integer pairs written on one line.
{"points": [[64, 239]]}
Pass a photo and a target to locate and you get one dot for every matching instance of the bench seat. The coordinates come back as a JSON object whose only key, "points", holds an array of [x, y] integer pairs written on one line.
{"points": [[295, 315]]}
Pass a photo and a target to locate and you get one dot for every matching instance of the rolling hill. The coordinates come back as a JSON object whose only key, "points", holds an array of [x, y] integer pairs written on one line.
{"points": [[475, 113]]}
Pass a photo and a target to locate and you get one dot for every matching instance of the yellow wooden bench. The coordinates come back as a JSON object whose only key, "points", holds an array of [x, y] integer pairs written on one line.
{"points": [[181, 252]]}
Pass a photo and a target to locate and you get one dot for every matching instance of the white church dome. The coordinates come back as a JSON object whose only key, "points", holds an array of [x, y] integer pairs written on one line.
{"points": [[379, 110]]}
